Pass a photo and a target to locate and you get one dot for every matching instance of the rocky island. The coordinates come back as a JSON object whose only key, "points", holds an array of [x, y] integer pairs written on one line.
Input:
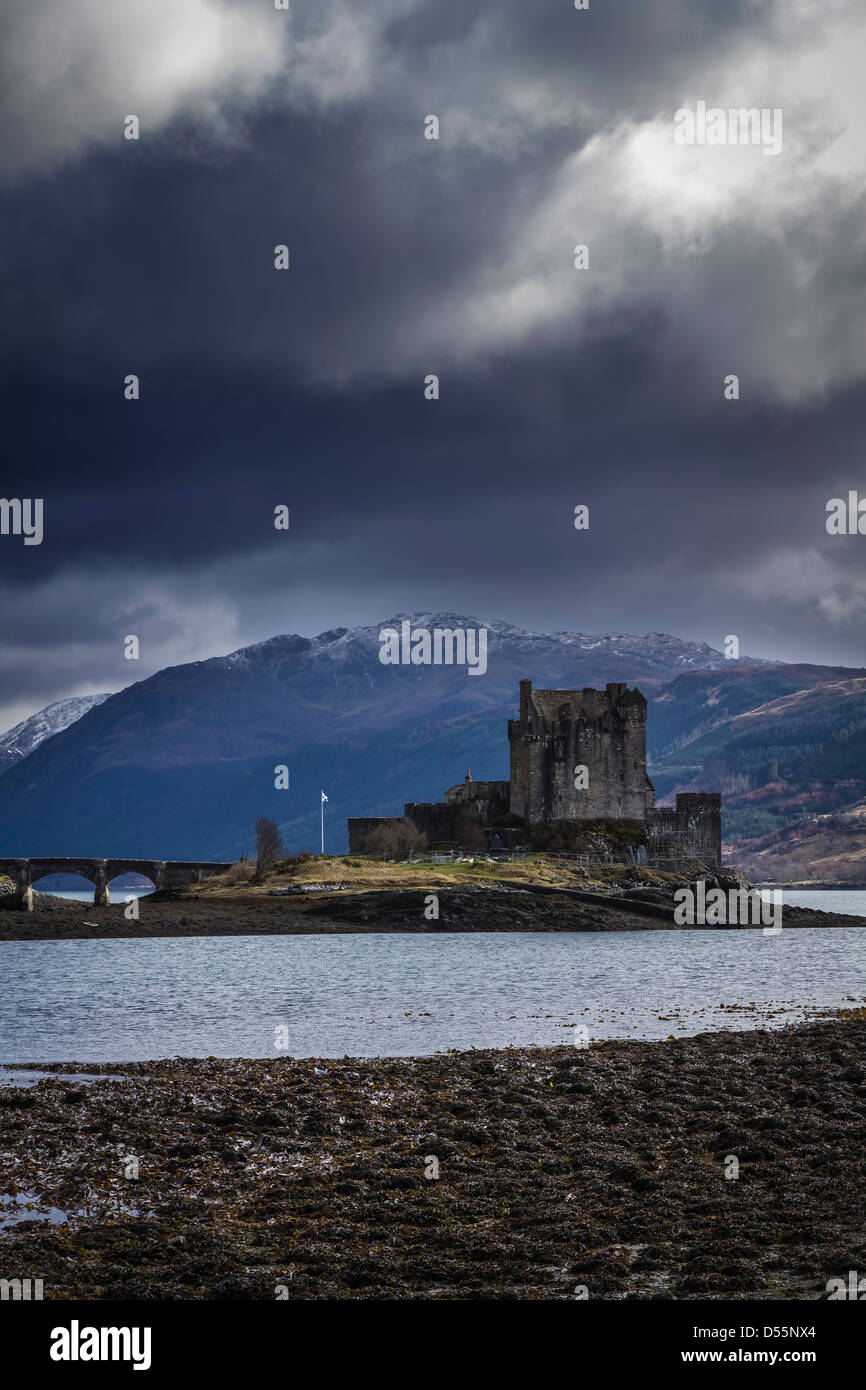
{"points": [[330, 894]]}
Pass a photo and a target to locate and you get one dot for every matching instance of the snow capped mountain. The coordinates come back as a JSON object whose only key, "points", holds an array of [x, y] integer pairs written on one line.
{"points": [[180, 764], [16, 743], [349, 646]]}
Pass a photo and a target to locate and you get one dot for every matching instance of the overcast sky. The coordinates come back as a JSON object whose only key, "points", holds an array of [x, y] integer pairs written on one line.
{"points": [[410, 256]]}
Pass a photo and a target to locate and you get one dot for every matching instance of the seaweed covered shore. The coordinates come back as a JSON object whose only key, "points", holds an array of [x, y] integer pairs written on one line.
{"points": [[603, 1172], [462, 908]]}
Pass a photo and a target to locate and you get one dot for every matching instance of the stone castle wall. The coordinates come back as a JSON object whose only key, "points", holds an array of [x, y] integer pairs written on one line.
{"points": [[691, 830], [360, 827], [440, 822], [561, 730]]}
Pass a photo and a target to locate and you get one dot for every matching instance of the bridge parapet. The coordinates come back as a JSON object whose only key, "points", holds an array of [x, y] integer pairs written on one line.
{"points": [[163, 873]]}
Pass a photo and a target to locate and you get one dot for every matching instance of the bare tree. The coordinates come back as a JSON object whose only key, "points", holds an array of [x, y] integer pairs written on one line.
{"points": [[399, 837], [269, 845], [470, 834]]}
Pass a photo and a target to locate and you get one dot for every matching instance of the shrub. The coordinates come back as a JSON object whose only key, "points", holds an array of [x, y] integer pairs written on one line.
{"points": [[244, 871], [398, 837]]}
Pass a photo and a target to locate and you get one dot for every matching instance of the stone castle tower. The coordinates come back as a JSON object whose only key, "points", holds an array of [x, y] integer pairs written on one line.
{"points": [[599, 733], [562, 731]]}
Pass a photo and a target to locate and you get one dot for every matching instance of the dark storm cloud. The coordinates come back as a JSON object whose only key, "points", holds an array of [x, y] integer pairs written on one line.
{"points": [[409, 257], [164, 252]]}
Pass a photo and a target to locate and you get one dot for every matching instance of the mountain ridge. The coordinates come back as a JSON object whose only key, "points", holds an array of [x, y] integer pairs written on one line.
{"points": [[189, 752]]}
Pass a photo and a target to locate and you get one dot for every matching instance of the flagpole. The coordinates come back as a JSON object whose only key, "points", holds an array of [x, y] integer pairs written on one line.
{"points": [[322, 803]]}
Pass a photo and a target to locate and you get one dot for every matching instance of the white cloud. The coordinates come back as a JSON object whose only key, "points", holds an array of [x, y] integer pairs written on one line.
{"points": [[806, 578], [750, 258], [76, 68]]}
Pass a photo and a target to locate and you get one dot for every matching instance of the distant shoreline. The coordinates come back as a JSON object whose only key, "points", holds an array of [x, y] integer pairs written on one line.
{"points": [[811, 887]]}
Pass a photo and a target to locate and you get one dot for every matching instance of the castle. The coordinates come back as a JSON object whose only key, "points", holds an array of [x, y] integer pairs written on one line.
{"points": [[575, 756]]}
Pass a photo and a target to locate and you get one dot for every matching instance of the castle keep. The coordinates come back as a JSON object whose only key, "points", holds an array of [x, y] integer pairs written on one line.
{"points": [[575, 756], [559, 731]]}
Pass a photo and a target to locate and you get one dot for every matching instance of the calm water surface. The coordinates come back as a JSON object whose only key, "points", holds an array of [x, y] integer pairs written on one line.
{"points": [[403, 995], [851, 901], [85, 895]]}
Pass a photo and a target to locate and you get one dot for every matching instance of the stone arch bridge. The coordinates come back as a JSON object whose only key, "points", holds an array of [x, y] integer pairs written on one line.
{"points": [[163, 873]]}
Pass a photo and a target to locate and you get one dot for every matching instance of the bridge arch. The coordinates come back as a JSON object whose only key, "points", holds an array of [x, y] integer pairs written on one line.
{"points": [[82, 882], [162, 873], [115, 885]]}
